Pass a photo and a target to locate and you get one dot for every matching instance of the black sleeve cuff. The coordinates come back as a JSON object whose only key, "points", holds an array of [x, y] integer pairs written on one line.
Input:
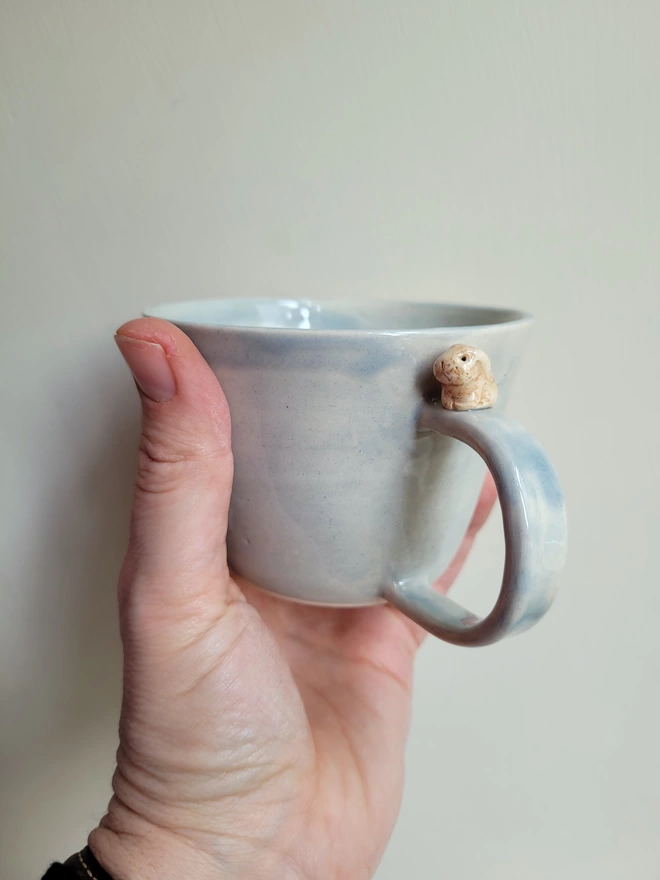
{"points": [[81, 866]]}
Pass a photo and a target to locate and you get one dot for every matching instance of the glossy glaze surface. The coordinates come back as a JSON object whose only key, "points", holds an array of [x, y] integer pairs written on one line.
{"points": [[534, 518], [339, 494], [466, 378]]}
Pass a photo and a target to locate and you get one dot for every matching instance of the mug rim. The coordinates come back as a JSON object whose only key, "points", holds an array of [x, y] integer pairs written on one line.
{"points": [[487, 317]]}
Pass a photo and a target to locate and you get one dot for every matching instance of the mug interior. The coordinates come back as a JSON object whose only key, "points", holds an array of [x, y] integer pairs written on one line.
{"points": [[332, 316]]}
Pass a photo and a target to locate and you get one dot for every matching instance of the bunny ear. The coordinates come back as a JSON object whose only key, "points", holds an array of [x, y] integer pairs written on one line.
{"points": [[482, 357]]}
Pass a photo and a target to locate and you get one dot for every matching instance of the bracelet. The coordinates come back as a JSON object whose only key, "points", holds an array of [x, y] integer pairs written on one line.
{"points": [[81, 866]]}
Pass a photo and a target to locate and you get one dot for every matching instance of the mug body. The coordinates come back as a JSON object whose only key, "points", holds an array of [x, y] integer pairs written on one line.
{"points": [[337, 493]]}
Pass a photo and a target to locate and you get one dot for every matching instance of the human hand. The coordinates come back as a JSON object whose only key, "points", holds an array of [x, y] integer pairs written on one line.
{"points": [[258, 738]]}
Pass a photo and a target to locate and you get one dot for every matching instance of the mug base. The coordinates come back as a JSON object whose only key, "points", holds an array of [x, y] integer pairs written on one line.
{"points": [[297, 601]]}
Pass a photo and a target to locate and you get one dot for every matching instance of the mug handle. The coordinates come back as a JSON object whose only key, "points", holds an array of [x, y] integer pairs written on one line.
{"points": [[534, 519]]}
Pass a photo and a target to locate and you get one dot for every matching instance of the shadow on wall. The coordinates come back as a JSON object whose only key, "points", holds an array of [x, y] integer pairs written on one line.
{"points": [[61, 689]]}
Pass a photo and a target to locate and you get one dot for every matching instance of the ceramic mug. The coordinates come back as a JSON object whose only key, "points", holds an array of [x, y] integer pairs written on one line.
{"points": [[353, 484]]}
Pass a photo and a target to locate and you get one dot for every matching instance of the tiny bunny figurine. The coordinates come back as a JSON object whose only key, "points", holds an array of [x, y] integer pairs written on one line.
{"points": [[466, 378]]}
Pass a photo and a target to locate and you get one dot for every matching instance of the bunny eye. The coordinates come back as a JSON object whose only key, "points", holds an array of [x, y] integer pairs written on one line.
{"points": [[464, 358]]}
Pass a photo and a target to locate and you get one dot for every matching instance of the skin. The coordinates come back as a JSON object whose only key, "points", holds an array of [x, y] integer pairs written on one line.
{"points": [[258, 738]]}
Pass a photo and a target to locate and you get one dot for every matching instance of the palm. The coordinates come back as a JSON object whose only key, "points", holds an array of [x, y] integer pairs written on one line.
{"points": [[357, 661], [360, 642], [353, 670]]}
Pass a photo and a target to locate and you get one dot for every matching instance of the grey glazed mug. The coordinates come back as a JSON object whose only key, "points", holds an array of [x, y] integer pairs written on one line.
{"points": [[353, 485]]}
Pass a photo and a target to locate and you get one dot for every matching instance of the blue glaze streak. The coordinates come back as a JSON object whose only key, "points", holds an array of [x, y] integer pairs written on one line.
{"points": [[534, 518]]}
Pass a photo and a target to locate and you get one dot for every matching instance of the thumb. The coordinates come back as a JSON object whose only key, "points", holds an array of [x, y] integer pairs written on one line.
{"points": [[179, 519]]}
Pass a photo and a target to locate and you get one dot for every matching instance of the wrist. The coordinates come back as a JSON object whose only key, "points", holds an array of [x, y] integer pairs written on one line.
{"points": [[129, 847]]}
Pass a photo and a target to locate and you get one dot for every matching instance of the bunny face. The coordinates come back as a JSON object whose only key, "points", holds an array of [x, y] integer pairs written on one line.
{"points": [[461, 365]]}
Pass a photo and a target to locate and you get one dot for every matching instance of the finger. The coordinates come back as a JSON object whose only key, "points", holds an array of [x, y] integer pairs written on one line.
{"points": [[183, 485], [487, 499], [482, 511]]}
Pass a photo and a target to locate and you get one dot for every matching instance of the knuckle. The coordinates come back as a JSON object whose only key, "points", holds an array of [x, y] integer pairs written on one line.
{"points": [[165, 461], [158, 471]]}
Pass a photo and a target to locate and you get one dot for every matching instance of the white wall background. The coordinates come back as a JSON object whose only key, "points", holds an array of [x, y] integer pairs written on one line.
{"points": [[505, 153]]}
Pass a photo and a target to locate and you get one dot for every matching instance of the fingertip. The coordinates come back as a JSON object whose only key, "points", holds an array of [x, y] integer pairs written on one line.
{"points": [[485, 504], [192, 372], [150, 366], [157, 331]]}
